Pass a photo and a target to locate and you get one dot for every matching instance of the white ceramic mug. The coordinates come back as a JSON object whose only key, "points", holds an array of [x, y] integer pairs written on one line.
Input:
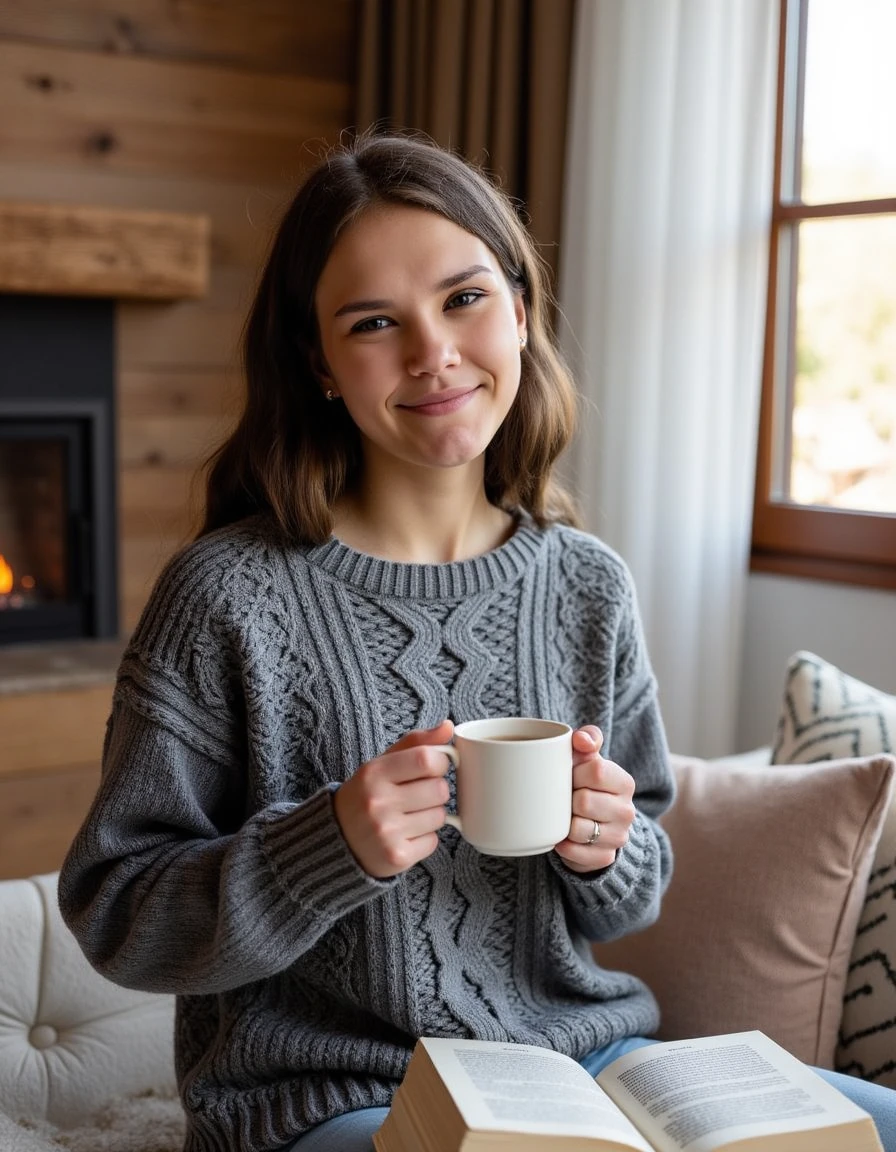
{"points": [[514, 784]]}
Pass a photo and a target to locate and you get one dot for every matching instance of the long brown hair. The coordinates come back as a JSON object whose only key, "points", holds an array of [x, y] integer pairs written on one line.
{"points": [[293, 453]]}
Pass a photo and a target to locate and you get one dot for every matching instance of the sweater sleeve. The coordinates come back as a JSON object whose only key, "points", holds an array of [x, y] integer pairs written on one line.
{"points": [[161, 897], [180, 879], [626, 897]]}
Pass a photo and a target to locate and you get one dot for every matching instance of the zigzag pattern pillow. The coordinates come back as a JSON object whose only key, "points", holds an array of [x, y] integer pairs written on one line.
{"points": [[827, 715]]}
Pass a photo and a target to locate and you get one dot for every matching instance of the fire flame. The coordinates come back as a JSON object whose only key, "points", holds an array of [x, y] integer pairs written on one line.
{"points": [[5, 577]]}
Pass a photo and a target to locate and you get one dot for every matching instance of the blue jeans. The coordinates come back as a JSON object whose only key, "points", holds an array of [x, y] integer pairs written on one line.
{"points": [[353, 1132]]}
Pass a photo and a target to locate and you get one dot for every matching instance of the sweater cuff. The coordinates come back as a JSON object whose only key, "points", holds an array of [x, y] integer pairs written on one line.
{"points": [[311, 860], [603, 890]]}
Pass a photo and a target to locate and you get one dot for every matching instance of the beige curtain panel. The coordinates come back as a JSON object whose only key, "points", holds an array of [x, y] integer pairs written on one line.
{"points": [[487, 78]]}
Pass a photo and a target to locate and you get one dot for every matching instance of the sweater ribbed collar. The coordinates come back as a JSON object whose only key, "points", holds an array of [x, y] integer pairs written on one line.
{"points": [[430, 581]]}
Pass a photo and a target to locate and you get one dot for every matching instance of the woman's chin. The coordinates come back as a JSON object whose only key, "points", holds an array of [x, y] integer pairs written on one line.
{"points": [[455, 449]]}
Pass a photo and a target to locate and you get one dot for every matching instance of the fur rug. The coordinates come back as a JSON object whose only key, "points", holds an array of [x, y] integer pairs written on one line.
{"points": [[152, 1122]]}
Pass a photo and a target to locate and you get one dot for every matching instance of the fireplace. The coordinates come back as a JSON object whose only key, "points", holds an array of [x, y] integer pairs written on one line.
{"points": [[57, 469]]}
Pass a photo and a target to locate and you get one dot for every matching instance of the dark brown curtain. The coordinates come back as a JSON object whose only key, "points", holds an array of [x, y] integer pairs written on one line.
{"points": [[487, 78]]}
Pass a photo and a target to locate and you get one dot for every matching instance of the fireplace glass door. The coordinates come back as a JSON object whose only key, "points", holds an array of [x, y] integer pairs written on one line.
{"points": [[44, 578], [57, 469]]}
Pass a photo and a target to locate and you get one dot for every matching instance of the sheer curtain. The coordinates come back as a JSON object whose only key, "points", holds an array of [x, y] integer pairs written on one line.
{"points": [[662, 286]]}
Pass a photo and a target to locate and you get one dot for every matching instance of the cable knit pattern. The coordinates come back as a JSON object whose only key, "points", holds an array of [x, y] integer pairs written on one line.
{"points": [[211, 864]]}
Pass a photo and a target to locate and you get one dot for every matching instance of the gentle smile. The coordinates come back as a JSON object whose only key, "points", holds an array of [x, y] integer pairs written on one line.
{"points": [[441, 403]]}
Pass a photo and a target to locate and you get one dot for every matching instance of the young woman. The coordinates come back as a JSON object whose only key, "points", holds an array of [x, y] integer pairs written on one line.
{"points": [[385, 553]]}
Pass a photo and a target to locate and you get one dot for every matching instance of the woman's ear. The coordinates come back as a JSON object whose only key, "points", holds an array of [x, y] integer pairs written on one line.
{"points": [[322, 375], [522, 322]]}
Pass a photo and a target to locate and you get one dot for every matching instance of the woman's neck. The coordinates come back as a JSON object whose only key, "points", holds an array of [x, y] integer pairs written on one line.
{"points": [[444, 520]]}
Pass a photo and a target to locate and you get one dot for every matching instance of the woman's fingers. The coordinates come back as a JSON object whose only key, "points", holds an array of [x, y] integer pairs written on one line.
{"points": [[602, 807], [588, 831], [586, 741], [441, 734], [600, 775], [391, 808], [405, 765], [594, 840]]}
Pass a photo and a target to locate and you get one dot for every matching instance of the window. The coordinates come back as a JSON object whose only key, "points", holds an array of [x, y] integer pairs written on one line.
{"points": [[825, 502]]}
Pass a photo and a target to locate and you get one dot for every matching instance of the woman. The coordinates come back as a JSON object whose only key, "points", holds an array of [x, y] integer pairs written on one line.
{"points": [[385, 552]]}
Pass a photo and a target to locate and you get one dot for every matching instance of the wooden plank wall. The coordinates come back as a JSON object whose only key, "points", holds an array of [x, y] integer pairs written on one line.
{"points": [[205, 106]]}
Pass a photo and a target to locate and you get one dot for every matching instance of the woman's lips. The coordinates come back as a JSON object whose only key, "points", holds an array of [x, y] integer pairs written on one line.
{"points": [[441, 403]]}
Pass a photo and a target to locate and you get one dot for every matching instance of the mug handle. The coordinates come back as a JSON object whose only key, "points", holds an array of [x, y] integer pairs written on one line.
{"points": [[452, 754]]}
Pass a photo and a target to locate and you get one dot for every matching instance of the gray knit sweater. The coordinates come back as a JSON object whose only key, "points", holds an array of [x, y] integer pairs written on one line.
{"points": [[211, 864]]}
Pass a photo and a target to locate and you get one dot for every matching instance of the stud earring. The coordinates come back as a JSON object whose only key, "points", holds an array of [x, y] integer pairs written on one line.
{"points": [[522, 343], [330, 394]]}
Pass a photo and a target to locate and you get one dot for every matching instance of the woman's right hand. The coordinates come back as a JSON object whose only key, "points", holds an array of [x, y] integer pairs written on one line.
{"points": [[390, 810]]}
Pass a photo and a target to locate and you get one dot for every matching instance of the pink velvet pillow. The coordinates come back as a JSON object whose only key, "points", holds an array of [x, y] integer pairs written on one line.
{"points": [[758, 924], [827, 714]]}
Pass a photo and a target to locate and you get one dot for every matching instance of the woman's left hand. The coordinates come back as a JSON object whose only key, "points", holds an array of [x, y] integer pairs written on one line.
{"points": [[602, 807]]}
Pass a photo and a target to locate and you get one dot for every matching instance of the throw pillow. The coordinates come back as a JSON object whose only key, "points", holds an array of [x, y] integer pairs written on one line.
{"points": [[760, 916], [826, 713]]}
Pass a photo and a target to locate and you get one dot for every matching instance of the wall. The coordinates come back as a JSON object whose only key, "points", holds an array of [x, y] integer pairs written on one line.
{"points": [[854, 628], [210, 106], [205, 106]]}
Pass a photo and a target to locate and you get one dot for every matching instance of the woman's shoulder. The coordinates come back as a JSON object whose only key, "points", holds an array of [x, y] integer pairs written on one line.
{"points": [[583, 556], [213, 579], [184, 661], [214, 561]]}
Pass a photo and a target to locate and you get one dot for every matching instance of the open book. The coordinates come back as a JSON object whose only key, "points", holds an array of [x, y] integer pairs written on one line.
{"points": [[738, 1092]]}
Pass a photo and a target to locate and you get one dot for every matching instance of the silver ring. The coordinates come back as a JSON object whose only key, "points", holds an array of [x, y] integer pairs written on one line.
{"points": [[595, 833]]}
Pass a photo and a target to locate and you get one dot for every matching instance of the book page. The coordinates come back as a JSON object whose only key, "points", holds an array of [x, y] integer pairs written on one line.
{"points": [[702, 1094], [522, 1088]]}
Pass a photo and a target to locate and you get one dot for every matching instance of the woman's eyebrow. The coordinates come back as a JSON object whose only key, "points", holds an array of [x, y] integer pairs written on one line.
{"points": [[361, 306], [459, 277], [442, 286]]}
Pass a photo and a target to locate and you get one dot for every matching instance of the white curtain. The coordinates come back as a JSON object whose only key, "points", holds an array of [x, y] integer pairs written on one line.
{"points": [[662, 295]]}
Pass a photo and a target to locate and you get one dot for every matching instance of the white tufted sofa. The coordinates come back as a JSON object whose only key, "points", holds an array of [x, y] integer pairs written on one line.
{"points": [[70, 1041]]}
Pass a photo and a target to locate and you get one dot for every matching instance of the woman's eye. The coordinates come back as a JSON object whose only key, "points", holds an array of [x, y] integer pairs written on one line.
{"points": [[464, 299], [371, 324]]}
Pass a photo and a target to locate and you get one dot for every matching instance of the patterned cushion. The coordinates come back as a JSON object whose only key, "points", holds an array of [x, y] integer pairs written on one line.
{"points": [[826, 715]]}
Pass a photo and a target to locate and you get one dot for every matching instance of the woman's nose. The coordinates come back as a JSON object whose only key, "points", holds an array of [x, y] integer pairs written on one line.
{"points": [[430, 350]]}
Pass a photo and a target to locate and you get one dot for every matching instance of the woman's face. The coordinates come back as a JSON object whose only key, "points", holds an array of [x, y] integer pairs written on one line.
{"points": [[420, 334]]}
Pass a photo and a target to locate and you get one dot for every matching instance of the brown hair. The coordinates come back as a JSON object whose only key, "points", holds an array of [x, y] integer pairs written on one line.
{"points": [[293, 453]]}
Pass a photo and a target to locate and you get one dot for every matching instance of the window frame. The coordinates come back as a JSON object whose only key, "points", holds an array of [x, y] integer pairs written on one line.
{"points": [[810, 541]]}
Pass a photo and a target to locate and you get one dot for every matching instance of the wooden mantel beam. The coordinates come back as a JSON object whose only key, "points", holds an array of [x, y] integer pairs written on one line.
{"points": [[67, 250]]}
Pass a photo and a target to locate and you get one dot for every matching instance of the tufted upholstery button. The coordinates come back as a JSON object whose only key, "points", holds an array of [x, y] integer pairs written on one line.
{"points": [[43, 1035], [66, 1034]]}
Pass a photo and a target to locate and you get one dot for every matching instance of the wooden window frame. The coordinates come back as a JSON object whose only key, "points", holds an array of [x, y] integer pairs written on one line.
{"points": [[796, 540]]}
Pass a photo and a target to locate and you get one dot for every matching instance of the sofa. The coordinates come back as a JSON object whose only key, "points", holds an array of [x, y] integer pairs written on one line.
{"points": [[84, 1065], [781, 915]]}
